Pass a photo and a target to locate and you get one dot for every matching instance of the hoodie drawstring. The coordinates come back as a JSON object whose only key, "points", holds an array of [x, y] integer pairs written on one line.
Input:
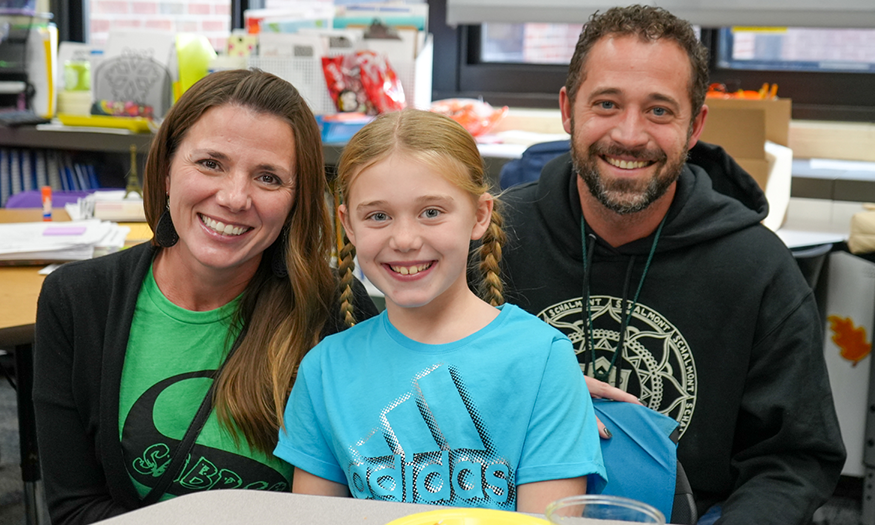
{"points": [[625, 309]]}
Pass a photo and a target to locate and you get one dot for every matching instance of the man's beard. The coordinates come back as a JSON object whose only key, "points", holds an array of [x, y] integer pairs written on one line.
{"points": [[625, 196]]}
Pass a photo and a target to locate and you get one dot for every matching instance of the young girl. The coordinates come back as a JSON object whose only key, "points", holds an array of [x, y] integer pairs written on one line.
{"points": [[445, 398]]}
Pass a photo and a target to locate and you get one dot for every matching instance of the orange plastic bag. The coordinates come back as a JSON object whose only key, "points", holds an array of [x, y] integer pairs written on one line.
{"points": [[476, 116]]}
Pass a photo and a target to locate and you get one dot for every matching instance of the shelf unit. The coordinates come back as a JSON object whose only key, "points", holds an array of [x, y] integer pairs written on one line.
{"points": [[113, 149], [109, 152], [85, 140]]}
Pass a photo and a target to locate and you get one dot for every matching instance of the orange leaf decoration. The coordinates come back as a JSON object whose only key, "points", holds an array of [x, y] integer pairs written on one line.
{"points": [[850, 339]]}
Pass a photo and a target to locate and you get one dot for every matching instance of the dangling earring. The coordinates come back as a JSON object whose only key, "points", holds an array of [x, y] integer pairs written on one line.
{"points": [[278, 257], [165, 232]]}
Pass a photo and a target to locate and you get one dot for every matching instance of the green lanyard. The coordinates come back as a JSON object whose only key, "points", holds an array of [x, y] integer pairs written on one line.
{"points": [[625, 313]]}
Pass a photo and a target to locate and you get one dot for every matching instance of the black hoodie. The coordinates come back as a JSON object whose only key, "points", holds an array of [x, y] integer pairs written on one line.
{"points": [[725, 336]]}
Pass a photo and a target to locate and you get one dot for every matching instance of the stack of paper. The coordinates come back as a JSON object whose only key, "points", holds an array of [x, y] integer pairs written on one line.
{"points": [[59, 241], [108, 205]]}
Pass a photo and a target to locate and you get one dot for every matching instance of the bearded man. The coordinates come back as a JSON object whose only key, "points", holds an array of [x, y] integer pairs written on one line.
{"points": [[672, 291]]}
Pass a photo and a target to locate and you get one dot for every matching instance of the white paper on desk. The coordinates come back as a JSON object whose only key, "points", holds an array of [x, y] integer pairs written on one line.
{"points": [[845, 165], [27, 240], [74, 210], [77, 253], [112, 242], [30, 236], [49, 269], [802, 239], [116, 237]]}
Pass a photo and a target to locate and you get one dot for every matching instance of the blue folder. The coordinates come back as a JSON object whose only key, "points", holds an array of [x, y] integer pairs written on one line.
{"points": [[641, 457]]}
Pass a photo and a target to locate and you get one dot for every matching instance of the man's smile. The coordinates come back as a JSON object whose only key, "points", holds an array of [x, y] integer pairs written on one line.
{"points": [[626, 164]]}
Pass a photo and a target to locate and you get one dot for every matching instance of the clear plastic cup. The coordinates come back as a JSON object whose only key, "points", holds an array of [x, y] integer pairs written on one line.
{"points": [[601, 507]]}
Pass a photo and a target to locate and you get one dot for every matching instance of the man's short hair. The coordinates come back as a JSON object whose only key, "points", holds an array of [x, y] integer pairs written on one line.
{"points": [[649, 24]]}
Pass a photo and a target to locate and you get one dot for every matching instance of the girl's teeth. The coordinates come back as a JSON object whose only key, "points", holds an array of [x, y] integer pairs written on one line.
{"points": [[410, 270]]}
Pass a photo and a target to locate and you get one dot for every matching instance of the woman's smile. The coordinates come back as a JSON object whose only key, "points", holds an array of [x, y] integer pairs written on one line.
{"points": [[222, 228]]}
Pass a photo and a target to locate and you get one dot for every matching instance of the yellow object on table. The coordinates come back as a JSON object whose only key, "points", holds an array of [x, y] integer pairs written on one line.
{"points": [[136, 124], [464, 516]]}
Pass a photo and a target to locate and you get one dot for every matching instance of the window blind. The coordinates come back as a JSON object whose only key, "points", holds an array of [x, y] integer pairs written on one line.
{"points": [[706, 13]]}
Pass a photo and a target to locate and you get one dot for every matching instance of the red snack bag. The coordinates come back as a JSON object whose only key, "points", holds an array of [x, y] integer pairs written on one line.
{"points": [[380, 82], [344, 84], [364, 82]]}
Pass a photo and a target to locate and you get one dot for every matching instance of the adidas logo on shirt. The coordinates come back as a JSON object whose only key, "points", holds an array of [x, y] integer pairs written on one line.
{"points": [[441, 451]]}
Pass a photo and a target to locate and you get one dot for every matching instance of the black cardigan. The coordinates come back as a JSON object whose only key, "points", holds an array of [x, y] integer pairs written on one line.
{"points": [[83, 323]]}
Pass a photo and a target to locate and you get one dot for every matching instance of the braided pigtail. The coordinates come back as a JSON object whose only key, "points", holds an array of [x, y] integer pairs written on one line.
{"points": [[345, 268], [492, 289]]}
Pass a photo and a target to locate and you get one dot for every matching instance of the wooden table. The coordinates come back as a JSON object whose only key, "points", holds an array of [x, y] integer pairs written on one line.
{"points": [[20, 285], [19, 291]]}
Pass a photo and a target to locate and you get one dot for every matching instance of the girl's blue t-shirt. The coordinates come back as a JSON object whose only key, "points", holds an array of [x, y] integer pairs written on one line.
{"points": [[459, 424]]}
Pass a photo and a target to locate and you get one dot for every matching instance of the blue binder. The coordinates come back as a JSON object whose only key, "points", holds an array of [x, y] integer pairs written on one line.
{"points": [[5, 178]]}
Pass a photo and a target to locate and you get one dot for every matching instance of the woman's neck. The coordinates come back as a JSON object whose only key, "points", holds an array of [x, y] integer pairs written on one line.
{"points": [[198, 289], [444, 320]]}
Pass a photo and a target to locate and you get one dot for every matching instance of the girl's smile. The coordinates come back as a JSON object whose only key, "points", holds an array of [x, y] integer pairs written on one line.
{"points": [[410, 270]]}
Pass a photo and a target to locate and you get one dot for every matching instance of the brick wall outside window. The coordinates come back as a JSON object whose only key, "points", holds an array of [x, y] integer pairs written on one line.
{"points": [[211, 18]]}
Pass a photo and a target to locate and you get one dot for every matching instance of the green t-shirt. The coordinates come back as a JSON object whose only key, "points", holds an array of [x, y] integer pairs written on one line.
{"points": [[171, 353]]}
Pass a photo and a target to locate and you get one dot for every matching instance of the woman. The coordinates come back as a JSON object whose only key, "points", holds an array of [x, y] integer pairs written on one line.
{"points": [[236, 286]]}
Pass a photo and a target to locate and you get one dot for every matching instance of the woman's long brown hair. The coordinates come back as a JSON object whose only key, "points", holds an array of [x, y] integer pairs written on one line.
{"points": [[283, 316]]}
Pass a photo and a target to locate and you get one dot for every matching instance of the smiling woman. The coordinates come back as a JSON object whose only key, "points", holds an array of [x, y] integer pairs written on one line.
{"points": [[135, 349], [229, 191]]}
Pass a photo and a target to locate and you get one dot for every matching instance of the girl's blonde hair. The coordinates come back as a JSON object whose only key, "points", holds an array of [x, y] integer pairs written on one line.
{"points": [[446, 147]]}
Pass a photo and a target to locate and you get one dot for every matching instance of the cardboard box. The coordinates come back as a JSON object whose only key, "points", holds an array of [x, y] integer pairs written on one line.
{"points": [[742, 127]]}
